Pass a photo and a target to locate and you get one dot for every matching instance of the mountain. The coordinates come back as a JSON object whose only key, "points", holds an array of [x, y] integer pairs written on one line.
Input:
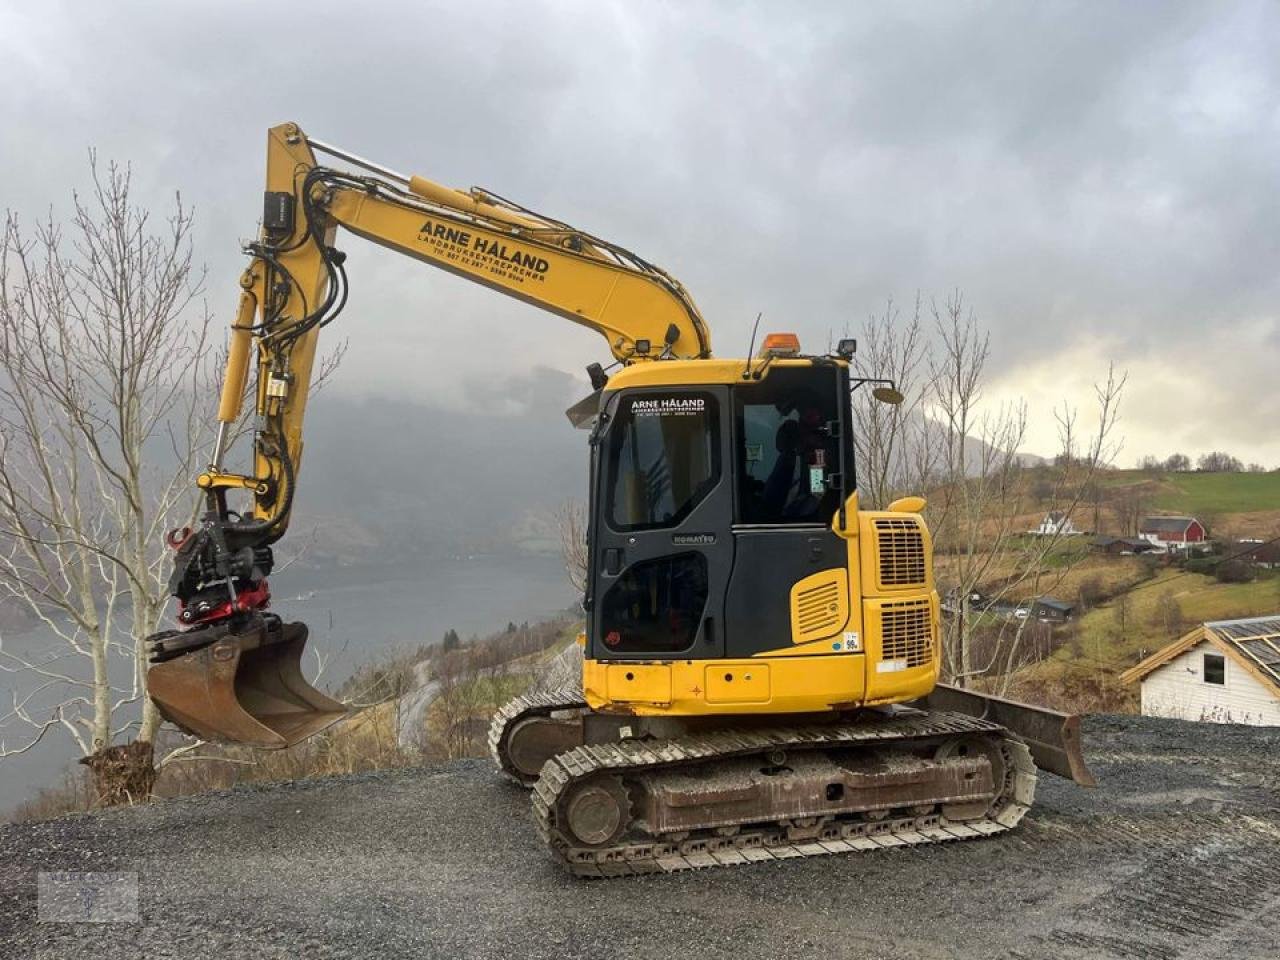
{"points": [[385, 479]]}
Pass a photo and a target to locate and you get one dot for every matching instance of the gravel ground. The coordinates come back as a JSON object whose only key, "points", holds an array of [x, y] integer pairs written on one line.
{"points": [[1176, 855]]}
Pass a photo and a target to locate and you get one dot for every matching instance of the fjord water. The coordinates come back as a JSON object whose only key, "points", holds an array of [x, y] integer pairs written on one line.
{"points": [[355, 615]]}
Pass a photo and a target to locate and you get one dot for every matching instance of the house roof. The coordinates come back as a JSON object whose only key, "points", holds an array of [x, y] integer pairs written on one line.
{"points": [[1056, 604], [1167, 524], [1132, 543], [1253, 643], [1264, 551]]}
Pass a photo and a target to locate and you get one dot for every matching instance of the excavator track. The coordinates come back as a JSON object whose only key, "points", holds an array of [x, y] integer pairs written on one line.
{"points": [[597, 772], [519, 710]]}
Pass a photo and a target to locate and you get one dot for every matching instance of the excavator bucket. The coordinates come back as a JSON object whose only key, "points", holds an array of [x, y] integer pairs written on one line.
{"points": [[244, 685], [1052, 737]]}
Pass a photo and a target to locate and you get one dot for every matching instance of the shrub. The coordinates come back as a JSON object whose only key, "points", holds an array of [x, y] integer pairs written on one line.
{"points": [[1233, 571], [1090, 591]]}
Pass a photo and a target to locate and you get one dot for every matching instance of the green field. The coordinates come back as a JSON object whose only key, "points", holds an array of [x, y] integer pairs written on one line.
{"points": [[1221, 492], [1102, 643], [1203, 493]]}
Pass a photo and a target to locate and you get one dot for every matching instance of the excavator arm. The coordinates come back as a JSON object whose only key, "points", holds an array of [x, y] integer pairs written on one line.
{"points": [[232, 672], [296, 284]]}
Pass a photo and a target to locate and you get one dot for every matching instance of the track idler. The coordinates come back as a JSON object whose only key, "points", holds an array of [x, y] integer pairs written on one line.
{"points": [[239, 681]]}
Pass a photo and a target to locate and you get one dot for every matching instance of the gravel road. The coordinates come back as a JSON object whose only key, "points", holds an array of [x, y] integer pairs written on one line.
{"points": [[1176, 855], [561, 671], [413, 708]]}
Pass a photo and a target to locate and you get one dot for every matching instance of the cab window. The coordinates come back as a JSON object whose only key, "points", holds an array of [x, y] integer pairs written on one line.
{"points": [[656, 606], [788, 462], [663, 458]]}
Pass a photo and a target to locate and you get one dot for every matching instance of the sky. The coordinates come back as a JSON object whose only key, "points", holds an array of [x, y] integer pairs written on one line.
{"points": [[1100, 180]]}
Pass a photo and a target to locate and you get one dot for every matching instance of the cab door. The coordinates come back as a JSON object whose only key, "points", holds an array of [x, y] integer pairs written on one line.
{"points": [[661, 546], [794, 463]]}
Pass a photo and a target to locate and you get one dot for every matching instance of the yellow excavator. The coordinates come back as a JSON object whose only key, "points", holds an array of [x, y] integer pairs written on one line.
{"points": [[761, 655]]}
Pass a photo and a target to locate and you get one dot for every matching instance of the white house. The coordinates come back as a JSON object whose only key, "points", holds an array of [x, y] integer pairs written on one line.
{"points": [[1055, 524], [1223, 671]]}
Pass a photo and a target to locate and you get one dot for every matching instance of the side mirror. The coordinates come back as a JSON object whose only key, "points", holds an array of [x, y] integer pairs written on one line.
{"points": [[888, 395], [584, 413]]}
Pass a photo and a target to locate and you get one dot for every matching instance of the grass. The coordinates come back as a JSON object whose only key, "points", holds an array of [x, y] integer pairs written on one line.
{"points": [[1083, 673], [1068, 553], [1219, 493], [1203, 493], [1063, 572], [1101, 643]]}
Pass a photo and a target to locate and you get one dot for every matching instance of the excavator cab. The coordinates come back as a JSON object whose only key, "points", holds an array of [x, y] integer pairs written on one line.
{"points": [[240, 681]]}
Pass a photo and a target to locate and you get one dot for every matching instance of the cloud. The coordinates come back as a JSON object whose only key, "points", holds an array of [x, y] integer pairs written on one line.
{"points": [[1087, 174], [1190, 394]]}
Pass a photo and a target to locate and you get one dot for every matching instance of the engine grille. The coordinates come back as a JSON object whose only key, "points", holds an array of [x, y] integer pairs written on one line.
{"points": [[819, 611], [905, 632], [900, 546]]}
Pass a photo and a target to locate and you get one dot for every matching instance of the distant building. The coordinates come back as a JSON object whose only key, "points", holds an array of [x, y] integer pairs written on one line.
{"points": [[1052, 610], [1055, 524], [1261, 553], [1223, 671], [1172, 533], [1122, 546]]}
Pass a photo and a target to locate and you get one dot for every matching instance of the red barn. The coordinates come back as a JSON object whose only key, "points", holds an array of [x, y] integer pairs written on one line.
{"points": [[1172, 533]]}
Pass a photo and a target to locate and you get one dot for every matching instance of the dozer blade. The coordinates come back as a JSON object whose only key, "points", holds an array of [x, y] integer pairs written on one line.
{"points": [[1053, 737], [244, 685]]}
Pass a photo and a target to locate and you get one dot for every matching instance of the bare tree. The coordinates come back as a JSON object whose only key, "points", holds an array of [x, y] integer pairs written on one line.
{"points": [[571, 524], [944, 440], [1167, 613], [108, 382], [1121, 613], [976, 508], [895, 455], [462, 706], [104, 379], [1217, 461], [1131, 508], [1090, 592]]}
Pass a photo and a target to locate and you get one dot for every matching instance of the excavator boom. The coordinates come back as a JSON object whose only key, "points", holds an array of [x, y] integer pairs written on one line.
{"points": [[233, 673]]}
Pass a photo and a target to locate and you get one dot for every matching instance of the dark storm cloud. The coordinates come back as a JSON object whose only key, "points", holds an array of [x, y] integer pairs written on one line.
{"points": [[1097, 178]]}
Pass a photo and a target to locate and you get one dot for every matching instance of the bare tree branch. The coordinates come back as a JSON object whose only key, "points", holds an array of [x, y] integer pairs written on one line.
{"points": [[106, 384]]}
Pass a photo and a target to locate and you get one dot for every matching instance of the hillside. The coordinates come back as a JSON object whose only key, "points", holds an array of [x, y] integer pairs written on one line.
{"points": [[1236, 504], [1127, 606], [1101, 642], [1231, 504]]}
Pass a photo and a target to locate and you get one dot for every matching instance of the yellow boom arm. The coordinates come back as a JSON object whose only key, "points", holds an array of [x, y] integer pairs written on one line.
{"points": [[295, 284]]}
